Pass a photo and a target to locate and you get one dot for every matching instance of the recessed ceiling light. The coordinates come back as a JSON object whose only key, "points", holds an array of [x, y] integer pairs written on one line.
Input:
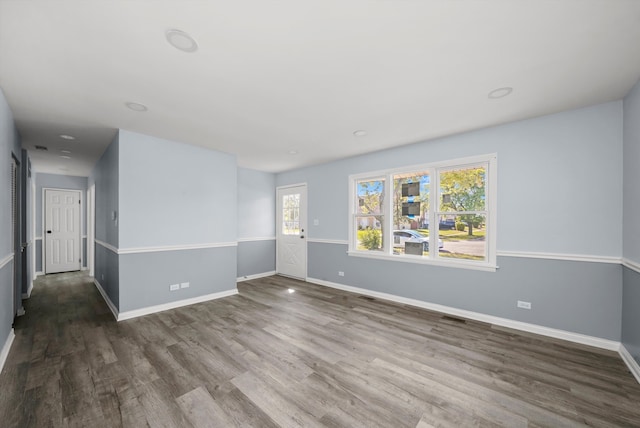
{"points": [[67, 137], [360, 133], [181, 40], [500, 92], [136, 106], [65, 157], [293, 152], [65, 151]]}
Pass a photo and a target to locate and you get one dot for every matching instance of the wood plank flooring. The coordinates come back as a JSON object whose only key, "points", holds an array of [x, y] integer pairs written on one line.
{"points": [[316, 357]]}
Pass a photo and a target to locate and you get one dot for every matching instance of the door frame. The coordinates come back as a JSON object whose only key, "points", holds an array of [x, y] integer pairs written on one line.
{"points": [[91, 232], [279, 226], [16, 231], [44, 221]]}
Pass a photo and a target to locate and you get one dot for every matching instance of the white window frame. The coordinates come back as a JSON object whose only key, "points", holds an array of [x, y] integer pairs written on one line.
{"points": [[488, 160]]}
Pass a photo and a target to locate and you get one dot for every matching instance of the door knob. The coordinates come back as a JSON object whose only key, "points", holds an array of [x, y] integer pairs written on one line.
{"points": [[301, 236]]}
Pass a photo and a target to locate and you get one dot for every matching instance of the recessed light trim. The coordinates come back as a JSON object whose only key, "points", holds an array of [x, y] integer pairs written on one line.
{"points": [[65, 157], [293, 152], [65, 151], [67, 137], [500, 92], [136, 106], [181, 40], [360, 133]]}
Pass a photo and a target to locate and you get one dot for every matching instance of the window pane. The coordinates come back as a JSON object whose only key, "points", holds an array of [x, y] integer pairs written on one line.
{"points": [[291, 214], [369, 233], [411, 201], [370, 197], [463, 236], [463, 189]]}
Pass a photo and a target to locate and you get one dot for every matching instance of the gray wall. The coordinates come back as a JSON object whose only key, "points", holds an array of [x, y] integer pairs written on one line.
{"points": [[256, 221], [66, 182], [9, 143], [105, 178], [558, 176], [631, 225]]}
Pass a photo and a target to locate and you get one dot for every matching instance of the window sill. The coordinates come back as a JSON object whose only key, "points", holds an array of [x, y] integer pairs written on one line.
{"points": [[459, 264]]}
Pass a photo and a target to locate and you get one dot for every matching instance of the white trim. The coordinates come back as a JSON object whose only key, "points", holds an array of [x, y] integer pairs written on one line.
{"points": [[177, 304], [631, 265], [38, 238], [106, 298], [504, 322], [633, 365], [27, 295], [175, 247], [6, 348], [6, 260], [444, 262], [39, 273], [260, 238], [329, 241], [560, 256], [286, 186], [255, 276], [83, 237], [107, 246], [163, 248]]}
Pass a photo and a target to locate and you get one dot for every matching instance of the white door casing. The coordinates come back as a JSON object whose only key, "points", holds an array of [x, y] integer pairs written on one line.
{"points": [[291, 231], [62, 230]]}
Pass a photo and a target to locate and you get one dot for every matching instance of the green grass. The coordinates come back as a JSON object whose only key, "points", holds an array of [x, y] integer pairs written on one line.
{"points": [[461, 256], [454, 235]]}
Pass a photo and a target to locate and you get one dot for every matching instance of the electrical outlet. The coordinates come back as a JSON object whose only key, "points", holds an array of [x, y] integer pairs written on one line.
{"points": [[340, 273], [174, 287], [184, 285], [524, 305]]}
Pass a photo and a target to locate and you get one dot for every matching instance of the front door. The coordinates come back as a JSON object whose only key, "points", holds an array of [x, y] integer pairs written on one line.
{"points": [[291, 259], [62, 230]]}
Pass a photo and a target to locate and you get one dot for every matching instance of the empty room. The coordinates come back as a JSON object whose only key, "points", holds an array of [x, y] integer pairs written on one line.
{"points": [[356, 213]]}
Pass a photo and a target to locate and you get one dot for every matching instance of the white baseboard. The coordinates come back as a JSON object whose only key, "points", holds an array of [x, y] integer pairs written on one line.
{"points": [[106, 298], [504, 322], [172, 305], [29, 290], [633, 365], [39, 273], [121, 316], [5, 349], [255, 276]]}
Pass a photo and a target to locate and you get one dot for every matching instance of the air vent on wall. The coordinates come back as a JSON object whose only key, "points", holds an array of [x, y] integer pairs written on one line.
{"points": [[43, 148]]}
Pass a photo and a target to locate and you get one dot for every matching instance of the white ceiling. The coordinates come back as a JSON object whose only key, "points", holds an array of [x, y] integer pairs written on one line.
{"points": [[272, 77]]}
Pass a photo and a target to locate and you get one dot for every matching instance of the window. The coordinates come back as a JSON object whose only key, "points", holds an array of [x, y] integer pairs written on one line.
{"points": [[440, 213]]}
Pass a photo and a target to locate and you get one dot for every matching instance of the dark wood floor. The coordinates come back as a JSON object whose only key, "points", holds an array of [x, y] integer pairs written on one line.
{"points": [[315, 357]]}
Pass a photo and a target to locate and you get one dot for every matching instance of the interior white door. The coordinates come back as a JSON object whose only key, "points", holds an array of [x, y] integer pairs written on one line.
{"points": [[62, 230], [291, 254]]}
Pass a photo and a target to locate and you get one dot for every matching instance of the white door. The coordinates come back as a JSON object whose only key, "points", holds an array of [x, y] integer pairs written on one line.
{"points": [[291, 229], [62, 230]]}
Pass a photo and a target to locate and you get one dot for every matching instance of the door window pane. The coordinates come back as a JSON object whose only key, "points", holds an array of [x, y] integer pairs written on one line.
{"points": [[291, 214]]}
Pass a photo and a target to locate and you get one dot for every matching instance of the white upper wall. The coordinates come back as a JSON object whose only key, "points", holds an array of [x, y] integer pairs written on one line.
{"points": [[174, 194], [631, 223], [559, 181], [256, 204]]}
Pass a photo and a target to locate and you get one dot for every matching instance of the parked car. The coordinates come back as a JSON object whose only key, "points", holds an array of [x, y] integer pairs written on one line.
{"points": [[447, 224], [408, 235]]}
